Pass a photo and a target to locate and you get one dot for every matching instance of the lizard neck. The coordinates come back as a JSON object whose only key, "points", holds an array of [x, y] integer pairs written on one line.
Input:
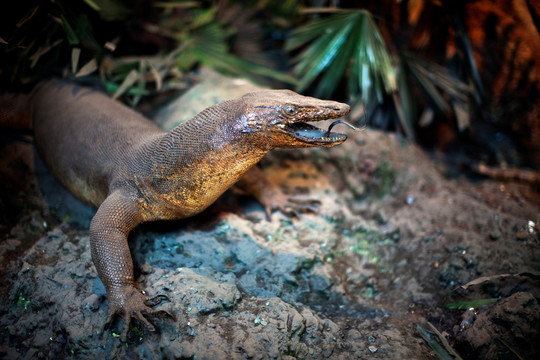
{"points": [[197, 161], [213, 138]]}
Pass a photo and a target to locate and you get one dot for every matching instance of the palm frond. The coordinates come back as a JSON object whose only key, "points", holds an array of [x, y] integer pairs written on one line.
{"points": [[444, 92], [207, 45], [405, 101], [71, 35], [347, 41], [463, 38]]}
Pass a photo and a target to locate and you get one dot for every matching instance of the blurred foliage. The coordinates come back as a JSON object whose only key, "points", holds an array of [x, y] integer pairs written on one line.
{"points": [[368, 55], [109, 10], [444, 352], [347, 46], [135, 50], [468, 304], [205, 41], [443, 92], [348, 41]]}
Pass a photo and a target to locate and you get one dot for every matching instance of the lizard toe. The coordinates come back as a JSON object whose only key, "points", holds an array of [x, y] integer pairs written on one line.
{"points": [[156, 300], [134, 305], [304, 205], [294, 206], [140, 317], [125, 329]]}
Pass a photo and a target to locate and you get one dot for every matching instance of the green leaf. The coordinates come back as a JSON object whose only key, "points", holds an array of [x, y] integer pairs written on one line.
{"points": [[325, 50], [208, 45], [204, 17], [434, 345], [110, 10], [445, 342], [334, 72], [467, 304], [92, 4], [345, 42], [441, 77], [406, 105], [113, 87], [435, 81], [87, 68], [427, 86], [127, 84], [177, 4], [306, 33], [75, 55], [236, 66], [463, 36], [71, 36], [373, 57]]}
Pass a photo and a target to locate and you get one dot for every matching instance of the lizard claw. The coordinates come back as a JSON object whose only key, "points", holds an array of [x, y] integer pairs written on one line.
{"points": [[156, 300], [135, 306]]}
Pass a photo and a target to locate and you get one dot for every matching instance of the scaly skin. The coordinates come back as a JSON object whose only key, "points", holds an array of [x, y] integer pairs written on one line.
{"points": [[117, 160]]}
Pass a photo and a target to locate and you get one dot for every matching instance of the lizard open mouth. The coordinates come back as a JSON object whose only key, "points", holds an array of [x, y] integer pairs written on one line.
{"points": [[311, 134]]}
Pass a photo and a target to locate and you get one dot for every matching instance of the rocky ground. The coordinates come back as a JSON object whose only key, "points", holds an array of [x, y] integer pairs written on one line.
{"points": [[394, 253]]}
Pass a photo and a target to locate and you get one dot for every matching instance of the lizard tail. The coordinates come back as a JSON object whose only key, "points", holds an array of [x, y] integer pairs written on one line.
{"points": [[15, 112]]}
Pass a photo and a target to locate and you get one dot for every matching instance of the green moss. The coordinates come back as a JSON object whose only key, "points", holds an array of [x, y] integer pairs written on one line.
{"points": [[23, 301], [367, 243]]}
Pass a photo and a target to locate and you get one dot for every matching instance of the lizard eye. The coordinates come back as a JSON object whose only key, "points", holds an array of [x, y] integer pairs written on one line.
{"points": [[289, 110]]}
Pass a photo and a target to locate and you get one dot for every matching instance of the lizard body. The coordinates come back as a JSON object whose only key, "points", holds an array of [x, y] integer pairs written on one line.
{"points": [[114, 158]]}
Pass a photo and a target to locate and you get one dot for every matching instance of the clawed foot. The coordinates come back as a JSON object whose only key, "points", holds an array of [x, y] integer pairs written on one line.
{"points": [[292, 206], [271, 196], [131, 303]]}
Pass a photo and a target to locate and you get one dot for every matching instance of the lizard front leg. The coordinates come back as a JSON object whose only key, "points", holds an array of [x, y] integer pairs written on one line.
{"points": [[271, 197], [109, 230]]}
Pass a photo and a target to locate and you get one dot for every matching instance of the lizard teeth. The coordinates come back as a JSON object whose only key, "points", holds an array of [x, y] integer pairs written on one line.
{"points": [[333, 139]]}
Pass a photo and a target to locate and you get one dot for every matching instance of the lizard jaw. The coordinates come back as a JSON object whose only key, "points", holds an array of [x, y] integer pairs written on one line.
{"points": [[313, 136]]}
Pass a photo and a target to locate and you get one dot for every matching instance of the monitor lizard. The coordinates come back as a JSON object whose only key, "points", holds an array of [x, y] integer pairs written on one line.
{"points": [[113, 157]]}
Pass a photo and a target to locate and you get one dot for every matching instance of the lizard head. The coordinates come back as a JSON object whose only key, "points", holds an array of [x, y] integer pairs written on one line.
{"points": [[282, 116]]}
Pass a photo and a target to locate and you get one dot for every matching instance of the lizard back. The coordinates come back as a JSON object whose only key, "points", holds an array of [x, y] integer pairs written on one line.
{"points": [[86, 138]]}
